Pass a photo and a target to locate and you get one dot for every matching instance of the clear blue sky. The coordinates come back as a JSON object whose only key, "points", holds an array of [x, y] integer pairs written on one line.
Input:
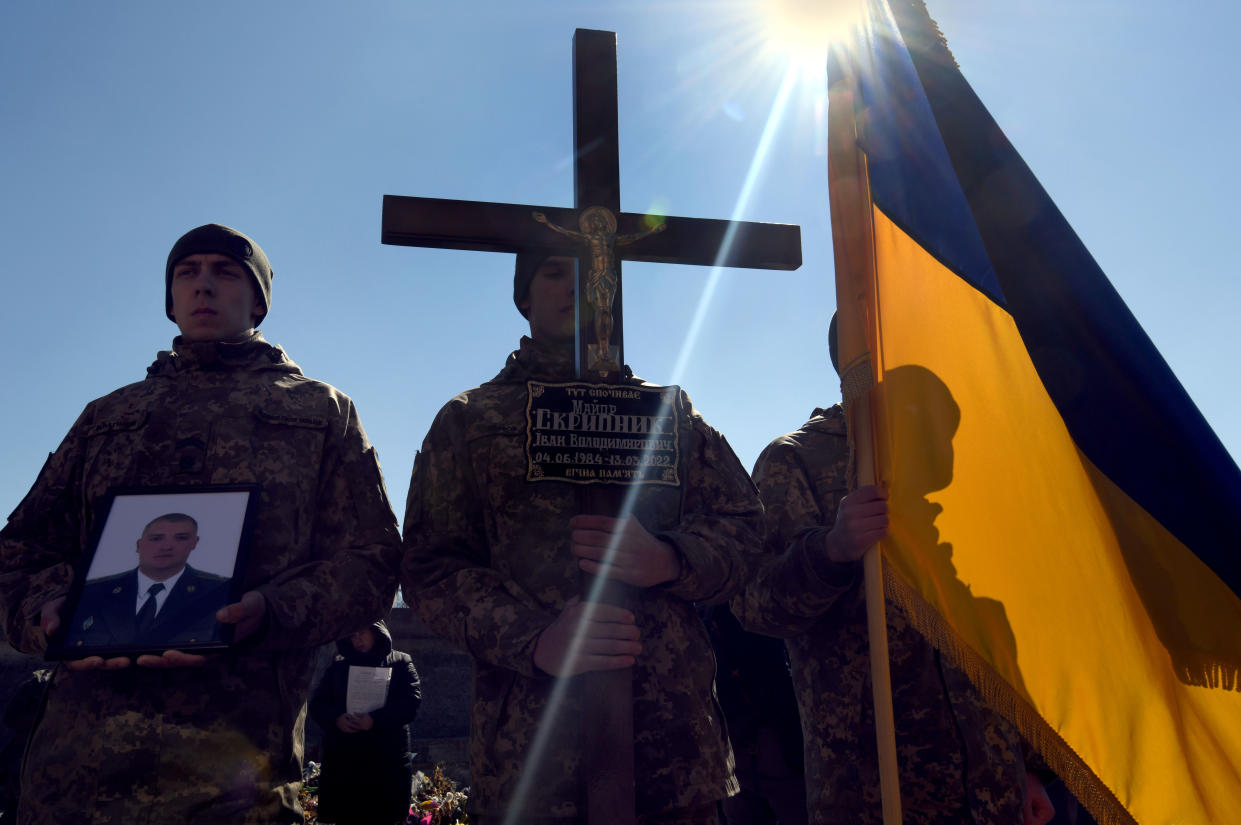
{"points": [[127, 123]]}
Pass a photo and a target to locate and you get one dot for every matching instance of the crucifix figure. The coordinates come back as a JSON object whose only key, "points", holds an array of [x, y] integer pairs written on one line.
{"points": [[598, 233], [606, 237]]}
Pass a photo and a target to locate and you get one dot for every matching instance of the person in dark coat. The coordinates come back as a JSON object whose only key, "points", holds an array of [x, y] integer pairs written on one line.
{"points": [[756, 693], [366, 776]]}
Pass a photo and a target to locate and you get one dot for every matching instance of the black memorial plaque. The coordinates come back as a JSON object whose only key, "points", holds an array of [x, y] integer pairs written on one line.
{"points": [[603, 433]]}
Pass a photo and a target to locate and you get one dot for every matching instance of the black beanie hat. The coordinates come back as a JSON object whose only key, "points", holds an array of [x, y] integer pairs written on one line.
{"points": [[222, 240], [528, 261]]}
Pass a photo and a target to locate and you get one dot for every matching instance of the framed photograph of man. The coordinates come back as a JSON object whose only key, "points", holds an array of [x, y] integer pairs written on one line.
{"points": [[160, 563]]}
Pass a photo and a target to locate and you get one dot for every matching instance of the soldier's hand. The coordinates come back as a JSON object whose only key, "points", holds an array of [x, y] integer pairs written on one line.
{"points": [[49, 621], [608, 640], [170, 659], [98, 663], [364, 720], [1038, 809], [248, 614], [861, 520], [638, 558]]}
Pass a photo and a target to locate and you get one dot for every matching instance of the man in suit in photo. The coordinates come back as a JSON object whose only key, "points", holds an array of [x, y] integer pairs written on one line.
{"points": [[162, 601]]}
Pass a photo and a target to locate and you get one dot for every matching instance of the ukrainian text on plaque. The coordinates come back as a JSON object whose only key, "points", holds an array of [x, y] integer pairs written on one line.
{"points": [[603, 433]]}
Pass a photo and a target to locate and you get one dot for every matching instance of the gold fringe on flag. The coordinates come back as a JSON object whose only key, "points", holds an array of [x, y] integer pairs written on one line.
{"points": [[1004, 700]]}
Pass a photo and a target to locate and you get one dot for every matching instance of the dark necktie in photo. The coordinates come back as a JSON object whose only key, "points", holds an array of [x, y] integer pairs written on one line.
{"points": [[146, 616]]}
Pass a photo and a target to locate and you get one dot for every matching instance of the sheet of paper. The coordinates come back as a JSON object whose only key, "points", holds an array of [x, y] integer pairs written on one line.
{"points": [[368, 688]]}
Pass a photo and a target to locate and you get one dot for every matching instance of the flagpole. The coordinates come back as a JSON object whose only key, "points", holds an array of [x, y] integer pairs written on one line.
{"points": [[877, 631], [857, 310], [881, 681]]}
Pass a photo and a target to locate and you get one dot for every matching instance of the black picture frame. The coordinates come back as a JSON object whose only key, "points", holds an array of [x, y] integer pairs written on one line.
{"points": [[151, 534]]}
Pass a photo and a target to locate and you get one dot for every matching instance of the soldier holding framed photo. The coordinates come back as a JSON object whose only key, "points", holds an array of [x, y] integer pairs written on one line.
{"points": [[179, 734]]}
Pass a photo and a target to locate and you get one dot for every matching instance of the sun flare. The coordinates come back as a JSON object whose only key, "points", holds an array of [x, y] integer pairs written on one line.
{"points": [[801, 31]]}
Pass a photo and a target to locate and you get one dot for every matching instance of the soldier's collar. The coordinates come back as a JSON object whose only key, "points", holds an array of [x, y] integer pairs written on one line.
{"points": [[228, 352]]}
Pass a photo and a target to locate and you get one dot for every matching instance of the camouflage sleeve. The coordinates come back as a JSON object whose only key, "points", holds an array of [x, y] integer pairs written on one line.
{"points": [[721, 522], [350, 580], [41, 543], [795, 583], [446, 571]]}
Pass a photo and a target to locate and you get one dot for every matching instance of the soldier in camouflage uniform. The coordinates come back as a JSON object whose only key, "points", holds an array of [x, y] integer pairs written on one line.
{"points": [[493, 560], [959, 761], [183, 738]]}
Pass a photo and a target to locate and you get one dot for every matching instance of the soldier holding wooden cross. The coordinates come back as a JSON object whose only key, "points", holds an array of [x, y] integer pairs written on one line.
{"points": [[492, 560]]}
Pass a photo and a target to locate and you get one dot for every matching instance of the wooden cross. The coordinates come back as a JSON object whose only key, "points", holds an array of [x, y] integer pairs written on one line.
{"points": [[501, 227], [506, 227]]}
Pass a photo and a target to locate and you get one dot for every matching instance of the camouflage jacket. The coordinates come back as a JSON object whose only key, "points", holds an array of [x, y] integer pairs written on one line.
{"points": [[959, 762], [488, 564], [220, 743]]}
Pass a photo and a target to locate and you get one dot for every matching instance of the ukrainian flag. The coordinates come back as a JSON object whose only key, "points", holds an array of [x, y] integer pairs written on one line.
{"points": [[1065, 525]]}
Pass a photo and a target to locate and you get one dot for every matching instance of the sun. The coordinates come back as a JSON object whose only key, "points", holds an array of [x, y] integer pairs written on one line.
{"points": [[801, 31]]}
